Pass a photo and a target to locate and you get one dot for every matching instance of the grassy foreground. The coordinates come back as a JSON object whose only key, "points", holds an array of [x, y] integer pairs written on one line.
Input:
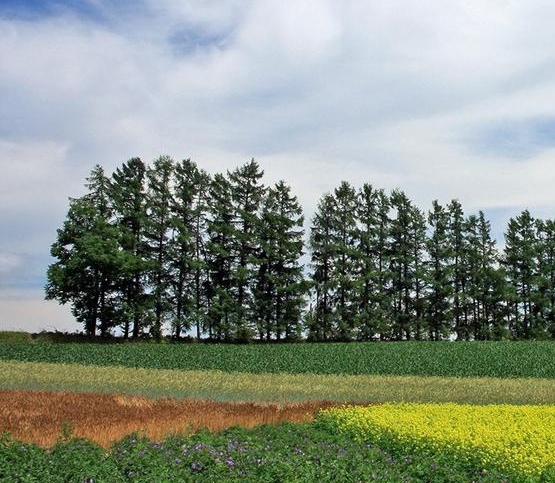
{"points": [[281, 388], [469, 373], [274, 453]]}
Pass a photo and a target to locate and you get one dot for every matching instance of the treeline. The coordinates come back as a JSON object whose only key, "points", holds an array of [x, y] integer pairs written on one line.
{"points": [[168, 247]]}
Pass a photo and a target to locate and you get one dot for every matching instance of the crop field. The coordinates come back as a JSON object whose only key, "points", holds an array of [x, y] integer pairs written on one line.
{"points": [[518, 439], [446, 359], [196, 412], [40, 416]]}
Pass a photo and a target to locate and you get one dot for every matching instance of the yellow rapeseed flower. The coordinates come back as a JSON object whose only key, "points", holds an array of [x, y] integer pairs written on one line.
{"points": [[518, 438]]}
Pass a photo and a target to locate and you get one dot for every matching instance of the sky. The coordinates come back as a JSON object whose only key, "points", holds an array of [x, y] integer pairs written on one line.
{"points": [[441, 99]]}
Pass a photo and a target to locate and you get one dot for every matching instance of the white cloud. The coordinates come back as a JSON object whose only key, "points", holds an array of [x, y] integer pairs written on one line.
{"points": [[393, 93], [34, 176]]}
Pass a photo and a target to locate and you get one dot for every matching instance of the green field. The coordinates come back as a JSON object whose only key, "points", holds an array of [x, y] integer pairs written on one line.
{"points": [[470, 373], [445, 359]]}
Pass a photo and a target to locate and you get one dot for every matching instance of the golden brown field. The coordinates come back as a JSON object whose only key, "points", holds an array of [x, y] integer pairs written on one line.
{"points": [[39, 416]]}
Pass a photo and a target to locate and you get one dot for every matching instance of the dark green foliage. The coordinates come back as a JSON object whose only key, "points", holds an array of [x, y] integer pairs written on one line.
{"points": [[90, 263], [459, 359], [169, 247], [373, 268], [247, 193], [70, 460], [129, 195], [158, 232], [320, 321], [294, 453], [485, 309], [187, 252], [521, 259], [279, 290], [219, 261], [439, 274], [407, 244]]}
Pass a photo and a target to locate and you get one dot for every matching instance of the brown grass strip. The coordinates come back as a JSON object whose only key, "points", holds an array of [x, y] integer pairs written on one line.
{"points": [[39, 416]]}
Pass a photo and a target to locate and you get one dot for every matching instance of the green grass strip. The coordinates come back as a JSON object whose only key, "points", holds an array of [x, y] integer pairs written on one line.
{"points": [[446, 359], [280, 388]]}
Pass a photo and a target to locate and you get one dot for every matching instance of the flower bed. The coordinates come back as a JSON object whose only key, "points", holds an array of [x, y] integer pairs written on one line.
{"points": [[515, 438]]}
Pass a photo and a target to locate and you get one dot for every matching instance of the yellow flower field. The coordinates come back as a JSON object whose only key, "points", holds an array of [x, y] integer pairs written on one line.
{"points": [[518, 438]]}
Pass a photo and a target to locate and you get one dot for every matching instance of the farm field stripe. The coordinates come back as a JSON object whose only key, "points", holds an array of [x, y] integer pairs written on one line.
{"points": [[40, 416], [445, 359], [518, 438], [279, 388]]}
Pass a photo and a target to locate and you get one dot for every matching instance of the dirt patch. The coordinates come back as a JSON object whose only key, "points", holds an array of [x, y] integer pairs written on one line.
{"points": [[39, 416]]}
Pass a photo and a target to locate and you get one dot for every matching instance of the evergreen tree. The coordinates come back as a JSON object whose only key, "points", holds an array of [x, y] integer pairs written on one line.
{"points": [[406, 251], [373, 278], [247, 193], [129, 195], [544, 312], [157, 233], [221, 289], [439, 273], [521, 264], [188, 250], [345, 263], [459, 274], [279, 293], [418, 237], [485, 288], [88, 262], [320, 327]]}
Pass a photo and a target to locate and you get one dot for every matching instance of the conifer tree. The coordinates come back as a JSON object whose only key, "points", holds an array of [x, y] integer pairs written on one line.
{"points": [[521, 264], [157, 233], [221, 289], [320, 322], [546, 275], [247, 193], [459, 274], [129, 196], [345, 264], [279, 292], [89, 264], [485, 288], [188, 250], [405, 257], [439, 273], [374, 278]]}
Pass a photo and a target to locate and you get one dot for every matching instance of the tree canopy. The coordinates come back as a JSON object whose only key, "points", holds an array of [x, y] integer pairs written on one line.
{"points": [[169, 250]]}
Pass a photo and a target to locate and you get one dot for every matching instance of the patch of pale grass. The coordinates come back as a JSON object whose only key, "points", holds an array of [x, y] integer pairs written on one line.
{"points": [[279, 388]]}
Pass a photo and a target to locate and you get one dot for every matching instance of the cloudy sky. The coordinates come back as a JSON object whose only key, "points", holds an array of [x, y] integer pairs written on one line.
{"points": [[441, 99]]}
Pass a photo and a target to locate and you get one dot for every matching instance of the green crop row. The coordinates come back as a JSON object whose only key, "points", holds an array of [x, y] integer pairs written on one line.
{"points": [[450, 359]]}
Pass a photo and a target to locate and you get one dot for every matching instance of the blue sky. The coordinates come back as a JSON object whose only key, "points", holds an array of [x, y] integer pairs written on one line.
{"points": [[441, 99]]}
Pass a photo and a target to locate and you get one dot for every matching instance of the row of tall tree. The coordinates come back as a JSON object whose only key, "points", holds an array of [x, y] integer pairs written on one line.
{"points": [[169, 247], [383, 268]]}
